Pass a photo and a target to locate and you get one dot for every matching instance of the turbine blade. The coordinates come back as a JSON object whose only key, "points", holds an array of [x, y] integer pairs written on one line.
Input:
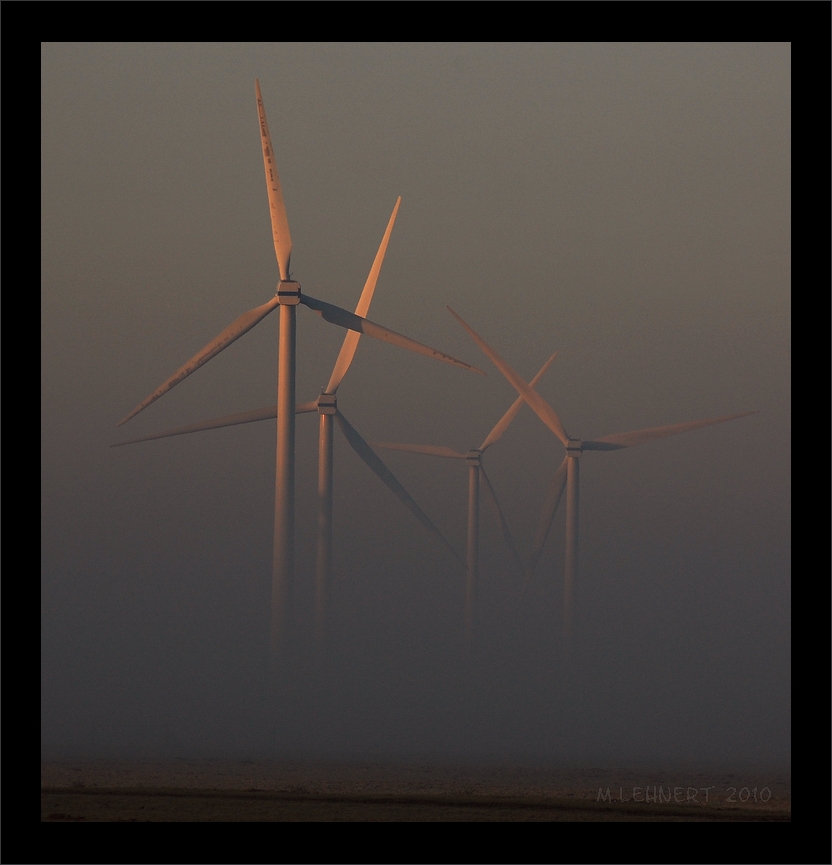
{"points": [[547, 515], [505, 421], [642, 436], [498, 511], [215, 423], [257, 414], [541, 408], [337, 315], [303, 407], [347, 353], [372, 460], [277, 209], [433, 450], [234, 331]]}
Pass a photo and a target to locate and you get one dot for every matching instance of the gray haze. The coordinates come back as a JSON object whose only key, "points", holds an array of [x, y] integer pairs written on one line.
{"points": [[626, 204]]}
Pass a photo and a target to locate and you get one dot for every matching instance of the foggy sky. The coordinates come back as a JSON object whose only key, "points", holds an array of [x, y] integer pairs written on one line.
{"points": [[625, 204]]}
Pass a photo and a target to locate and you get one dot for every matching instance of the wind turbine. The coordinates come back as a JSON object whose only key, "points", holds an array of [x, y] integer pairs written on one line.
{"points": [[476, 477], [327, 408], [568, 472], [287, 296]]}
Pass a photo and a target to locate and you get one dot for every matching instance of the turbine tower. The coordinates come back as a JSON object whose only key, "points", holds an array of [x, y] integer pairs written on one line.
{"points": [[477, 477], [327, 408], [287, 296], [568, 471]]}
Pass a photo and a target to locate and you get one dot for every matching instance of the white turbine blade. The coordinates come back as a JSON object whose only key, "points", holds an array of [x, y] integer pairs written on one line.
{"points": [[257, 414], [505, 421], [541, 408], [498, 511], [547, 515], [336, 315], [234, 331], [432, 450], [642, 436], [347, 353], [277, 209], [372, 460]]}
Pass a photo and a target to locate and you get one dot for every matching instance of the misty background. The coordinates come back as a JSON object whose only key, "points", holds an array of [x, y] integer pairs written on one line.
{"points": [[625, 204]]}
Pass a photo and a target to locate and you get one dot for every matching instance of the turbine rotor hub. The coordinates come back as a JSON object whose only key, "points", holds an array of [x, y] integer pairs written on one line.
{"points": [[327, 403], [574, 448], [288, 292], [474, 457]]}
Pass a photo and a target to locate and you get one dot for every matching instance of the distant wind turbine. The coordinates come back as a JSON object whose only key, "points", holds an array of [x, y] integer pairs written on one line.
{"points": [[326, 406], [567, 474], [477, 473], [288, 295]]}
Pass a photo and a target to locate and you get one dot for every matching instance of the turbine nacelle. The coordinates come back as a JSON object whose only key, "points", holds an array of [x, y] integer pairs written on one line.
{"points": [[474, 457]]}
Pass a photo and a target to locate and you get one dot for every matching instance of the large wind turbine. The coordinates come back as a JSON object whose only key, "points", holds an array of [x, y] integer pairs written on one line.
{"points": [[287, 296], [568, 472], [476, 475], [327, 408]]}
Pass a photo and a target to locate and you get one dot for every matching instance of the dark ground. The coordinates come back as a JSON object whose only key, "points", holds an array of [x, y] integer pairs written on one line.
{"points": [[314, 791]]}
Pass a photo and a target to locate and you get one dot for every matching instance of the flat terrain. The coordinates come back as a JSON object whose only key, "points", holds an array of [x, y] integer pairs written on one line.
{"points": [[301, 791]]}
